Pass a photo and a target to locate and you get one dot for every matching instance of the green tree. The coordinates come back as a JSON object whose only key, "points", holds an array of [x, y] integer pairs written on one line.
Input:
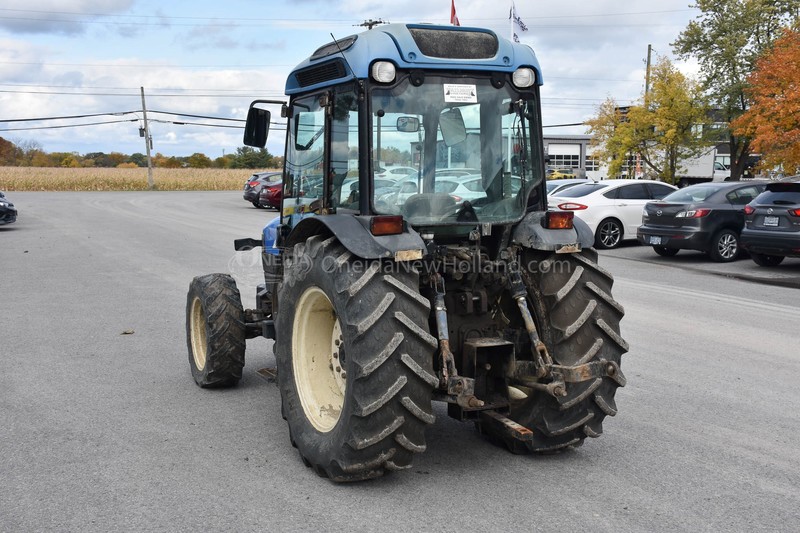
{"points": [[198, 160], [726, 40], [665, 128], [249, 157], [139, 159]]}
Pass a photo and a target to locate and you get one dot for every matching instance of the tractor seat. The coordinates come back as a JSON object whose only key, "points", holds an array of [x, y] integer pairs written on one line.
{"points": [[429, 205]]}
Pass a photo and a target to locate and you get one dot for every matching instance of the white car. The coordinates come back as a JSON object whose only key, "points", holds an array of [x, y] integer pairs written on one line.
{"points": [[467, 189], [611, 208]]}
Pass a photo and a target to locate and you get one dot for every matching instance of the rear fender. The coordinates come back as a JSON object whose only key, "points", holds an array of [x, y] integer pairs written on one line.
{"points": [[530, 233], [354, 234]]}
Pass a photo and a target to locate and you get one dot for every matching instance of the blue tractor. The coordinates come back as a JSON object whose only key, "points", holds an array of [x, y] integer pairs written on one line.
{"points": [[451, 282]]}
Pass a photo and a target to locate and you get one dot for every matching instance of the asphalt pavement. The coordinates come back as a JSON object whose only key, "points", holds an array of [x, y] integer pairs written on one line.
{"points": [[103, 429]]}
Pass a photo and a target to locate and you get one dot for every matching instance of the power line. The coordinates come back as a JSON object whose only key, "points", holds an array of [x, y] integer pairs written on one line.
{"points": [[67, 117], [70, 125]]}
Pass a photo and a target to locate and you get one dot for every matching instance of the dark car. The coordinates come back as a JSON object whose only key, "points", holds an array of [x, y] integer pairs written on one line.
{"points": [[8, 213], [254, 184], [707, 217], [772, 223], [271, 194]]}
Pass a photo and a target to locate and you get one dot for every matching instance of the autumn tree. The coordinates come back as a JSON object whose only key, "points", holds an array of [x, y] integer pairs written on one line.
{"points": [[773, 119], [664, 128], [727, 39]]}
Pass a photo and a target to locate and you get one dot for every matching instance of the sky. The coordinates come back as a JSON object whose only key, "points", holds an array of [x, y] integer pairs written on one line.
{"points": [[63, 58]]}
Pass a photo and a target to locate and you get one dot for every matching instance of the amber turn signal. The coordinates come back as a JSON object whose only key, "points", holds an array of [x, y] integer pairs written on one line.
{"points": [[386, 225], [558, 219]]}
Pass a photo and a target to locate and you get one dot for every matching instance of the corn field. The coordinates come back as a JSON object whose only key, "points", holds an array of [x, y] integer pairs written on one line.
{"points": [[120, 179]]}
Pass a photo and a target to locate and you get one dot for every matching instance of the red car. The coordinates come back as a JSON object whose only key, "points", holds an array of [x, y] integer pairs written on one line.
{"points": [[257, 183], [271, 194]]}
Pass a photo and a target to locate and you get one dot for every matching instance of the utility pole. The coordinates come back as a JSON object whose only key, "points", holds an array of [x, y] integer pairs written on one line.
{"points": [[148, 141], [647, 75]]}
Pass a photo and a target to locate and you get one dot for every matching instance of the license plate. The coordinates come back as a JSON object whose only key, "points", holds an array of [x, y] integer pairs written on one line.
{"points": [[655, 240], [770, 221]]}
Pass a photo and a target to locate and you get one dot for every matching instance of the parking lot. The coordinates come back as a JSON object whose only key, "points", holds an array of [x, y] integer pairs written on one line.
{"points": [[104, 428]]}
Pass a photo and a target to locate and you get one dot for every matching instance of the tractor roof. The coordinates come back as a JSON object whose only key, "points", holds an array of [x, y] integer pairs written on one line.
{"points": [[410, 46]]}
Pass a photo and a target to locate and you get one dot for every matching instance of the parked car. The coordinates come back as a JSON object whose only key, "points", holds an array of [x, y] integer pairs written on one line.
{"points": [[707, 217], [395, 173], [256, 182], [8, 213], [560, 173], [271, 194], [772, 223], [462, 189], [556, 186], [611, 208]]}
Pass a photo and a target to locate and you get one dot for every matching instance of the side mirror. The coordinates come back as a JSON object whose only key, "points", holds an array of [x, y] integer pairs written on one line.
{"points": [[452, 125], [257, 127], [408, 124]]}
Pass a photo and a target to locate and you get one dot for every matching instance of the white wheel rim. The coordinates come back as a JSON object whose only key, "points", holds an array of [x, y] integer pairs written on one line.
{"points": [[197, 333], [317, 349]]}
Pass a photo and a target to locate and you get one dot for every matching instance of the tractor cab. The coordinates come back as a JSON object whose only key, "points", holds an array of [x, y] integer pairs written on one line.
{"points": [[457, 105]]}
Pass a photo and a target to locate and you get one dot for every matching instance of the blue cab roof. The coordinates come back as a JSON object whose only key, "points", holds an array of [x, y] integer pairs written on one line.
{"points": [[401, 44]]}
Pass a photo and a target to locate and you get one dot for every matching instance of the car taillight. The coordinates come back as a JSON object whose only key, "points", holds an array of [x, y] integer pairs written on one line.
{"points": [[253, 183], [749, 209], [794, 212], [694, 213], [456, 197], [572, 206]]}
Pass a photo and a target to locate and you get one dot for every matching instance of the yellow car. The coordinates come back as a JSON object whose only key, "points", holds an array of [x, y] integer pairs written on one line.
{"points": [[560, 174]]}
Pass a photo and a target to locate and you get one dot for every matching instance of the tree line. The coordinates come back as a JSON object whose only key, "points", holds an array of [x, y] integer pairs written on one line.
{"points": [[746, 94], [31, 154]]}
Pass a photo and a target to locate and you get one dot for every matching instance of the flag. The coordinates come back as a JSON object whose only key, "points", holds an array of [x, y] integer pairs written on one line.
{"points": [[516, 23], [453, 17]]}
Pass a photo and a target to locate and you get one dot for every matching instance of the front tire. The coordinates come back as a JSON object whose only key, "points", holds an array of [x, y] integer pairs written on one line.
{"points": [[354, 358], [578, 320], [608, 234], [215, 330]]}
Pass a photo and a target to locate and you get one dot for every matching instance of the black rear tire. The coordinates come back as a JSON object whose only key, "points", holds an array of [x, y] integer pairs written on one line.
{"points": [[354, 356], [215, 330], [766, 260], [257, 205], [724, 246], [663, 251], [578, 320]]}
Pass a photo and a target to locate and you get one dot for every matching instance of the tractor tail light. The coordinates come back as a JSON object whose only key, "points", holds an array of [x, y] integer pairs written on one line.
{"points": [[558, 219], [386, 225]]}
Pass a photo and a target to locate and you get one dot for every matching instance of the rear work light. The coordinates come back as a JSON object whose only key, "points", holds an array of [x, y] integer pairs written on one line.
{"points": [[694, 213], [749, 209], [558, 219], [572, 206], [386, 225]]}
